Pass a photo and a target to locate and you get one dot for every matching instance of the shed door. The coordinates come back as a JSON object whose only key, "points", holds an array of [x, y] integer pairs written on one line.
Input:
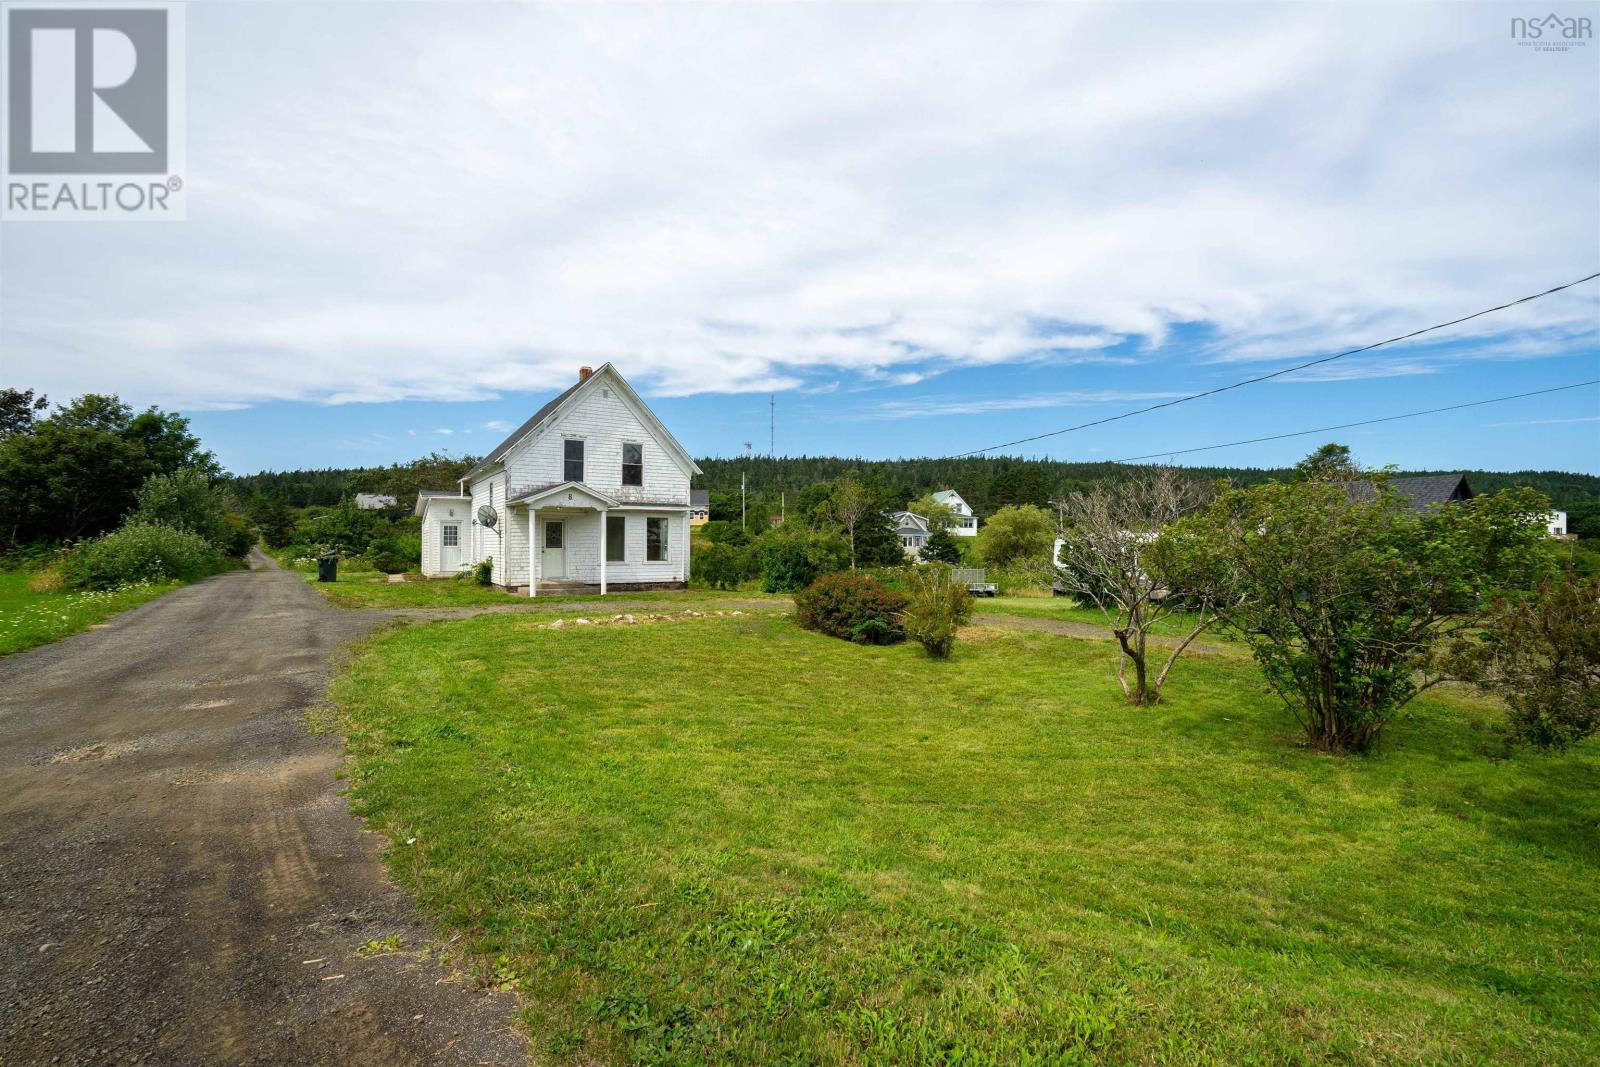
{"points": [[449, 546], [553, 556]]}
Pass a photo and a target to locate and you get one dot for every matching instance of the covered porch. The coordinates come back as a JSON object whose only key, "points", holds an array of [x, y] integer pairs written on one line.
{"points": [[575, 539]]}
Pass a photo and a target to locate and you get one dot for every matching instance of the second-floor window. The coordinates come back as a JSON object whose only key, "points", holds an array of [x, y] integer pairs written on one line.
{"points": [[572, 460], [632, 464]]}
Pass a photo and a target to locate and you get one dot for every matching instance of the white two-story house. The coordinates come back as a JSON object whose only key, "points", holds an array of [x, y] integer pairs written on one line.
{"points": [[591, 494], [966, 524]]}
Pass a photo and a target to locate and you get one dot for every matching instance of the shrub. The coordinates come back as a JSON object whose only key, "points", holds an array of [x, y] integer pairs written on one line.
{"points": [[851, 606], [941, 547], [396, 553], [1020, 532], [722, 532], [483, 573], [721, 566], [938, 606], [141, 553], [190, 500], [793, 560]]}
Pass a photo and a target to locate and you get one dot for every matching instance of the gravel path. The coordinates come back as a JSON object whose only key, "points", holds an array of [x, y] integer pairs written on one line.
{"points": [[180, 879]]}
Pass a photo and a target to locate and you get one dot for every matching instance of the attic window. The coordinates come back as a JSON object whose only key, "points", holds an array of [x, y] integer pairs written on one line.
{"points": [[572, 457], [632, 464]]}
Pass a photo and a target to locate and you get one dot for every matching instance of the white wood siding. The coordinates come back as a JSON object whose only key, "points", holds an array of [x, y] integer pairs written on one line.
{"points": [[605, 423]]}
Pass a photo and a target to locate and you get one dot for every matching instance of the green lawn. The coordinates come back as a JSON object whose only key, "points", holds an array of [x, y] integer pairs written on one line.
{"points": [[1067, 609], [28, 619], [729, 840], [361, 588]]}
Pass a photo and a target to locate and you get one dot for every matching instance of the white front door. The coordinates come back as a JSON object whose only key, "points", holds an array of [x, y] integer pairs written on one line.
{"points": [[449, 546], [553, 556]]}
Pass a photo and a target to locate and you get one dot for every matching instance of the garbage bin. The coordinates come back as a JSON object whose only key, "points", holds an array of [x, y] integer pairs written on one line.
{"points": [[328, 569]]}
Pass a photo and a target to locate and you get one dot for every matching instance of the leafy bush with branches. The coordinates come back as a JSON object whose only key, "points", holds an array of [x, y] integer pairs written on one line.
{"points": [[1542, 657], [1347, 599], [793, 559], [937, 608], [141, 552], [396, 553], [722, 565], [851, 606]]}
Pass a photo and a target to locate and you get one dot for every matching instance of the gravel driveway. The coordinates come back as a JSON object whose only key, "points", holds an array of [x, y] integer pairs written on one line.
{"points": [[180, 879]]}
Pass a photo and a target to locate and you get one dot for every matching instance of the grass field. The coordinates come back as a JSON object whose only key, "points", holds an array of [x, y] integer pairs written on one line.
{"points": [[731, 840], [29, 618]]}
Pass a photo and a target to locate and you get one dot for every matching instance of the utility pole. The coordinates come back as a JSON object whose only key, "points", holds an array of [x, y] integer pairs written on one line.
{"points": [[743, 521]]}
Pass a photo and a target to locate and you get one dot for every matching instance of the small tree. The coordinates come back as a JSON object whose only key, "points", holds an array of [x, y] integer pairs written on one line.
{"points": [[939, 516], [1542, 657], [1345, 599], [1021, 531], [185, 500], [941, 547], [850, 503], [1106, 536]]}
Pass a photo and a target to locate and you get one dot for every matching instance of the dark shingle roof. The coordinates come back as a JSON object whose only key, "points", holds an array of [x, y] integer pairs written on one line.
{"points": [[437, 492], [1421, 492], [699, 498], [522, 431]]}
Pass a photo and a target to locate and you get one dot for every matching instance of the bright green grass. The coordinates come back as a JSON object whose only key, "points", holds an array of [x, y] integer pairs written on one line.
{"points": [[1066, 609], [28, 619], [734, 841], [370, 589]]}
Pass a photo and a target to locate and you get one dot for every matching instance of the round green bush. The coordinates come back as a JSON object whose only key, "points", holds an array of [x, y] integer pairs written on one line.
{"points": [[141, 552], [851, 606]]}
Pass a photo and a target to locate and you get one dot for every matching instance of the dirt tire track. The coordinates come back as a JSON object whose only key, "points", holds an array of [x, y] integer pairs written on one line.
{"points": [[174, 844]]}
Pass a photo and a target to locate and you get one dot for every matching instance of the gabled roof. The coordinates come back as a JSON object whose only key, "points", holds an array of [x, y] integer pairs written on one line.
{"points": [[909, 520], [1422, 491], [700, 498], [945, 494], [536, 494], [551, 409], [426, 495]]}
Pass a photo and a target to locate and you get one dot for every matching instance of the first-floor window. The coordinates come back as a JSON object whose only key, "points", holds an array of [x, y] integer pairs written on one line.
{"points": [[655, 540], [451, 536], [616, 538]]}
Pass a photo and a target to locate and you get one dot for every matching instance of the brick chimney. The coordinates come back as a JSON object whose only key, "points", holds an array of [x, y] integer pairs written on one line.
{"points": [[584, 372]]}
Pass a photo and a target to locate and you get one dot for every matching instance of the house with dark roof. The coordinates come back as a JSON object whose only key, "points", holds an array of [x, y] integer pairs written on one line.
{"points": [[699, 507], [590, 494], [1421, 492]]}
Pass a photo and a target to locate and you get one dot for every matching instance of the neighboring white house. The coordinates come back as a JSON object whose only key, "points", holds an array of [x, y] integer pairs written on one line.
{"points": [[593, 482], [966, 524], [375, 501], [1557, 522], [912, 529]]}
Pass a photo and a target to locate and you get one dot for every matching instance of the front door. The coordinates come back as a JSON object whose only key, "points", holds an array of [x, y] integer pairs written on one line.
{"points": [[553, 559], [450, 546]]}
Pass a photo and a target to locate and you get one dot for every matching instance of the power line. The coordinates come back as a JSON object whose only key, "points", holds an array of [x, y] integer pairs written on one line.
{"points": [[1280, 373], [1363, 422]]}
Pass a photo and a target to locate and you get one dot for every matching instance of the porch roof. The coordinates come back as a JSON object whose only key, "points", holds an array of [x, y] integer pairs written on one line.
{"points": [[564, 494]]}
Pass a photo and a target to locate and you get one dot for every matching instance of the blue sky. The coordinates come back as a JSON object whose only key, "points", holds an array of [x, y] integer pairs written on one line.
{"points": [[926, 229]]}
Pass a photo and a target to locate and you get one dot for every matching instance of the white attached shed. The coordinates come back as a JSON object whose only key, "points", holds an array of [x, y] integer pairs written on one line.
{"points": [[446, 522]]}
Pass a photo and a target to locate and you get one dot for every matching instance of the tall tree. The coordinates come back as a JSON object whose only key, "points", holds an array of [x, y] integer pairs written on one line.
{"points": [[18, 409]]}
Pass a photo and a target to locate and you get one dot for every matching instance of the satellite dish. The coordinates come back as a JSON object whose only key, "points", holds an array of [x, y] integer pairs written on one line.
{"points": [[488, 516]]}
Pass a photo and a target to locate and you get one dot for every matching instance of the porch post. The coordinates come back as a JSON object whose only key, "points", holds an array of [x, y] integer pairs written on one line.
{"points": [[603, 551], [533, 553]]}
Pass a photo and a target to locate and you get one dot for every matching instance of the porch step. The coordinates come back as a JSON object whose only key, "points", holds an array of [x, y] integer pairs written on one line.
{"points": [[565, 588]]}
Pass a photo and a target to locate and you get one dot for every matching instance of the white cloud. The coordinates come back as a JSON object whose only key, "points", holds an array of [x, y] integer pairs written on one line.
{"points": [[1548, 422], [928, 407], [446, 432], [387, 204], [498, 426]]}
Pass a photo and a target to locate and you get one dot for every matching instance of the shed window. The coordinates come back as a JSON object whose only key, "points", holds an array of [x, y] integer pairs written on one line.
{"points": [[632, 464], [655, 540], [572, 456], [616, 538], [450, 535]]}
